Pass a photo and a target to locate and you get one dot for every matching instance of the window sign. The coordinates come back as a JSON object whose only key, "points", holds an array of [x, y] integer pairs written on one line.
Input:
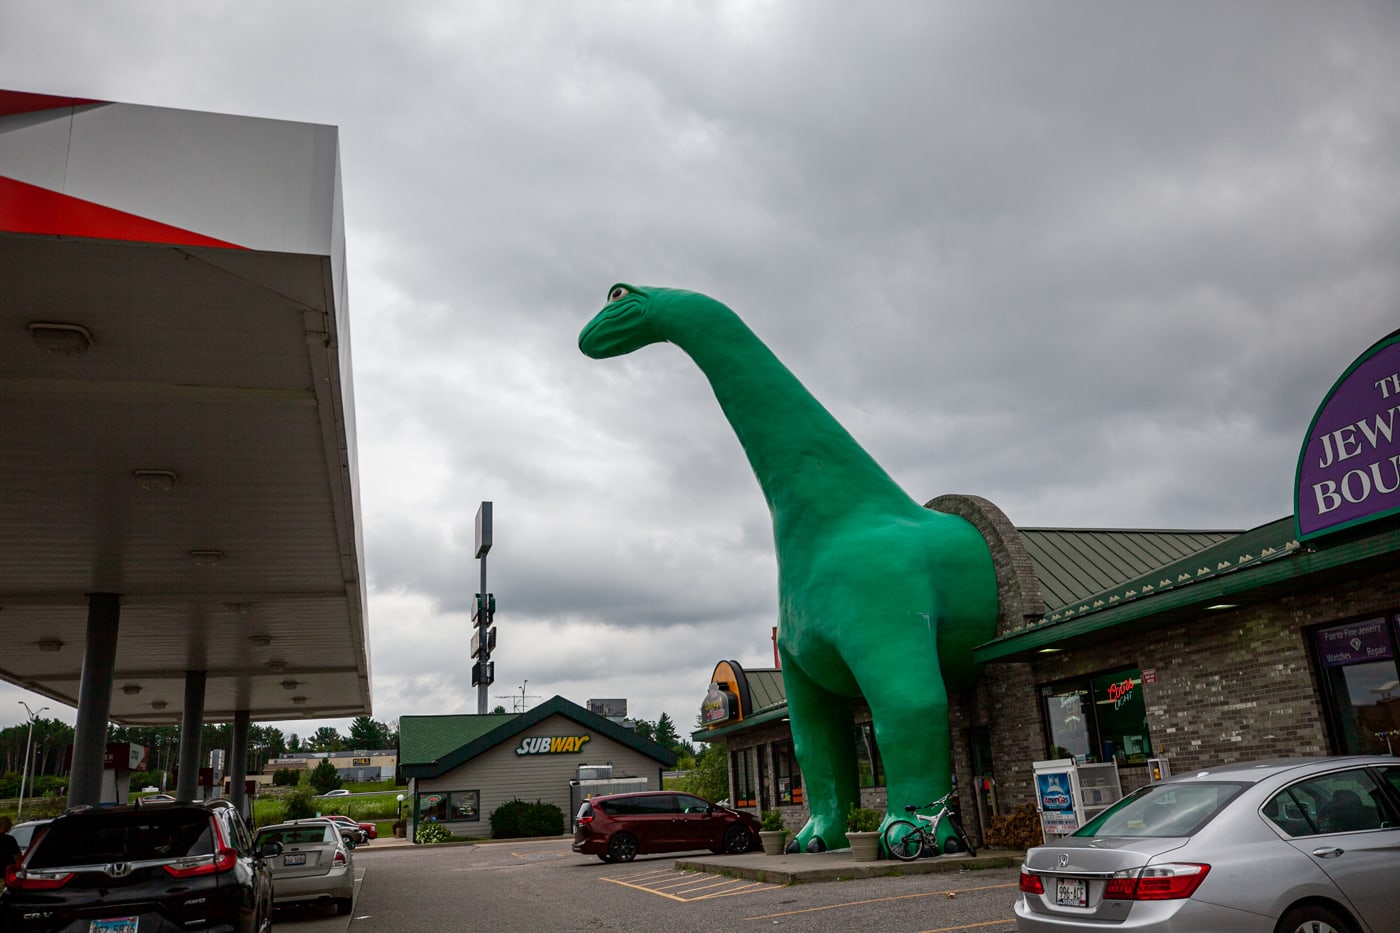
{"points": [[1353, 643], [1122, 717], [1362, 685]]}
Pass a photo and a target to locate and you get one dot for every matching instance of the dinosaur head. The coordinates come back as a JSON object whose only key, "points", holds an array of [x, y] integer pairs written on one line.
{"points": [[632, 318]]}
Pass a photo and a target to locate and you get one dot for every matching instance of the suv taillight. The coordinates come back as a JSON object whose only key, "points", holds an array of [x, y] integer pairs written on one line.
{"points": [[19, 879], [1169, 882], [584, 820], [223, 861]]}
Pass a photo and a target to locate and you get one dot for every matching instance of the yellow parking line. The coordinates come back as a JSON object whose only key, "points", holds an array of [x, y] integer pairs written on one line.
{"points": [[688, 886]]}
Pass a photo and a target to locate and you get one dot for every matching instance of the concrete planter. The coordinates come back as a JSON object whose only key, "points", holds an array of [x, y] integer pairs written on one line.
{"points": [[865, 847], [774, 841]]}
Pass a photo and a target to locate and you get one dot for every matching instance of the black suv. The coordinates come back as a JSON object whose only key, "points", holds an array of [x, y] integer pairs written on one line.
{"points": [[152, 868]]}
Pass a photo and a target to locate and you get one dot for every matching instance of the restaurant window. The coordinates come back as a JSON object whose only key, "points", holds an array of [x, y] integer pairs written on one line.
{"points": [[1098, 718], [454, 805], [465, 805], [1361, 684], [787, 779], [741, 765], [869, 768]]}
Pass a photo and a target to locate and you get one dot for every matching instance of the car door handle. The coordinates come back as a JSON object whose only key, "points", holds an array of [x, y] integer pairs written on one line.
{"points": [[1332, 852]]}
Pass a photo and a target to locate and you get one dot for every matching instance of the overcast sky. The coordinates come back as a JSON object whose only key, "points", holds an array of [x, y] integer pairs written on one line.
{"points": [[1096, 262]]}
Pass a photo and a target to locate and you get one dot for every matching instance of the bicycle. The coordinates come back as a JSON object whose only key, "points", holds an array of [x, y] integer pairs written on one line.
{"points": [[908, 840]]}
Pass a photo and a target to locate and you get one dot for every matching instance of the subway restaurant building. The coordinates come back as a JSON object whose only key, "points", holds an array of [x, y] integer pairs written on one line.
{"points": [[460, 768], [1154, 649]]}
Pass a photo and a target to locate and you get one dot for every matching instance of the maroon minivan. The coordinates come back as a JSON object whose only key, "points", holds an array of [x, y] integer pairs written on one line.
{"points": [[619, 827]]}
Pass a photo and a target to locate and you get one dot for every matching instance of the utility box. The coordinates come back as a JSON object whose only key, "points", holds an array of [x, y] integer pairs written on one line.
{"points": [[1158, 769]]}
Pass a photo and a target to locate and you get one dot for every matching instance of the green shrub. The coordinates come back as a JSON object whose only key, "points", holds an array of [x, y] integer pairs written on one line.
{"points": [[284, 777], [863, 820], [433, 833], [517, 819], [299, 805], [772, 821]]}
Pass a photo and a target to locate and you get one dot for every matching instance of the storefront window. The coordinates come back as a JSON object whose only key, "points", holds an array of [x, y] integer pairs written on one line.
{"points": [[1098, 718], [869, 767], [465, 805], [456, 805], [787, 780], [1362, 685], [741, 766]]}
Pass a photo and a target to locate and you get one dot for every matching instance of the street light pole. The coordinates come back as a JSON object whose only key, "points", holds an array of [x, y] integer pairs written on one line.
{"points": [[28, 742]]}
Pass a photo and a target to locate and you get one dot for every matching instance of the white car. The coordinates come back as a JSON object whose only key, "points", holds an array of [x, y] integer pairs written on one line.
{"points": [[338, 792]]}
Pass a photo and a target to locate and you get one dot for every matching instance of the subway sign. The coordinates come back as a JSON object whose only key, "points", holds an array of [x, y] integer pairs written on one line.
{"points": [[552, 744], [1349, 468]]}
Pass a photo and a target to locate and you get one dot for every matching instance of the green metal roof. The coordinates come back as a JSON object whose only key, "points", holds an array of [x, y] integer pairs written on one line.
{"points": [[433, 745], [1074, 563], [765, 689], [1251, 565]]}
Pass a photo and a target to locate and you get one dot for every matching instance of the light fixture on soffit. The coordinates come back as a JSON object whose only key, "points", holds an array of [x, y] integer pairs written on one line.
{"points": [[59, 339], [155, 480], [49, 645]]}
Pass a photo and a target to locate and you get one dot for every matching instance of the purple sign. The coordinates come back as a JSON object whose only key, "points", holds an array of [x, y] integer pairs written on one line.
{"points": [[1349, 469], [1353, 643]]}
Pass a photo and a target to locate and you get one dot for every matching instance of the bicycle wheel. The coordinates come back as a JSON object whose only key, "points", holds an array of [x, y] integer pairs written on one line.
{"points": [[960, 836], [904, 840]]}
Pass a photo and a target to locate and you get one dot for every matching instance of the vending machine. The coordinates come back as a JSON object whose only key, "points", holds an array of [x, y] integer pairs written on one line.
{"points": [[1069, 794]]}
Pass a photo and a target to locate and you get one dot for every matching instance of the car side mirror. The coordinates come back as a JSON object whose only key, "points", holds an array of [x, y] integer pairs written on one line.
{"points": [[270, 849]]}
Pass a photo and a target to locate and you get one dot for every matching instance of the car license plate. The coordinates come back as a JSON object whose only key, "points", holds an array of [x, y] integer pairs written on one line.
{"points": [[115, 925], [298, 859], [1071, 892]]}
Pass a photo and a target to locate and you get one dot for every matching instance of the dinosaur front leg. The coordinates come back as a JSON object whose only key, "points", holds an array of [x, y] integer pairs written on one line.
{"points": [[823, 730]]}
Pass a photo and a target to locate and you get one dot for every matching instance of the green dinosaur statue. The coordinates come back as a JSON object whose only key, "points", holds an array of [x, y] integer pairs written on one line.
{"points": [[878, 596]]}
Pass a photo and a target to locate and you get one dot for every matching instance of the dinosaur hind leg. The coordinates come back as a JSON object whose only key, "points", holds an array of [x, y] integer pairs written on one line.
{"points": [[823, 730]]}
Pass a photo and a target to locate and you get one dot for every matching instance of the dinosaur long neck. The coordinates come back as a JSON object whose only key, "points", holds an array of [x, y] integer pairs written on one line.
{"points": [[810, 468]]}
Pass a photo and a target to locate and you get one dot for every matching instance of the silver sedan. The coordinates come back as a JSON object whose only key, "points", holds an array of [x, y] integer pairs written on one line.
{"points": [[315, 864], [1295, 846]]}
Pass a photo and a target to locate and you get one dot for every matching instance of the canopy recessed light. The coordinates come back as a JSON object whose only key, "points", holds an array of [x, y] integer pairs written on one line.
{"points": [[298, 700], [155, 480], [289, 685], [49, 644], [59, 339], [131, 689], [1223, 606], [206, 557], [260, 641], [158, 704], [277, 665]]}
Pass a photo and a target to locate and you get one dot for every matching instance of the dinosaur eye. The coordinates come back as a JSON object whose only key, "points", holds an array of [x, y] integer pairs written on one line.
{"points": [[617, 294]]}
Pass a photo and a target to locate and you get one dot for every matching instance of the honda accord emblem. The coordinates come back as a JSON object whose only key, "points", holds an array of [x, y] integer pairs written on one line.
{"points": [[1064, 859], [118, 869]]}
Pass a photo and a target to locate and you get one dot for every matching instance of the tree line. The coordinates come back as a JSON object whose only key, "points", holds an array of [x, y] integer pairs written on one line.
{"points": [[53, 738]]}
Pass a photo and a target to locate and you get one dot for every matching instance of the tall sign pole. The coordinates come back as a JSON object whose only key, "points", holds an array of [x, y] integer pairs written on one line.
{"points": [[483, 614]]}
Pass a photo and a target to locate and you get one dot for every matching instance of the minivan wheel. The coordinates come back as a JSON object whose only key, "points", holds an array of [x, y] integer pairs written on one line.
{"points": [[1313, 918], [737, 840], [623, 847]]}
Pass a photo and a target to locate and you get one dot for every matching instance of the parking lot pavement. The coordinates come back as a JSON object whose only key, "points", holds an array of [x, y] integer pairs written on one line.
{"points": [[801, 868]]}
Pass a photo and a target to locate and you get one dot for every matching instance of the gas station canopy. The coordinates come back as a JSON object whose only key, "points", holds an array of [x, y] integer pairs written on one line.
{"points": [[176, 411]]}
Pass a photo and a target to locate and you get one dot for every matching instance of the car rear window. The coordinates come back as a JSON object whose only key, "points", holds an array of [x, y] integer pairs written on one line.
{"points": [[1164, 810], [297, 835], [97, 838]]}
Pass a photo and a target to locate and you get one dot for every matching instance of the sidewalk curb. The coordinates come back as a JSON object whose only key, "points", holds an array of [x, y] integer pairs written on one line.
{"points": [[804, 868]]}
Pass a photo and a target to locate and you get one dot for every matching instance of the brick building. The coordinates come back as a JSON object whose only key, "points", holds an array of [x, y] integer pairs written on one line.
{"points": [[1196, 647]]}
